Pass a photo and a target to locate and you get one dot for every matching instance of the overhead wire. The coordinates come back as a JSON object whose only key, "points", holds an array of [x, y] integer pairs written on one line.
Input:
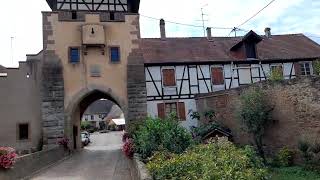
{"points": [[184, 24], [256, 13]]}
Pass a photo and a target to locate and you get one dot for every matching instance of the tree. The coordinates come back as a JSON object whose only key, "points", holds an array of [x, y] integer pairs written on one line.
{"points": [[255, 115], [85, 125]]}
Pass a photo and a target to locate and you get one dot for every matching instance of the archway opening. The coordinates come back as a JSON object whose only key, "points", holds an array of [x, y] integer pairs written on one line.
{"points": [[94, 120]]}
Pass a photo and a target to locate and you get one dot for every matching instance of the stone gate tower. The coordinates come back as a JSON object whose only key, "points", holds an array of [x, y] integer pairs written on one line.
{"points": [[90, 51]]}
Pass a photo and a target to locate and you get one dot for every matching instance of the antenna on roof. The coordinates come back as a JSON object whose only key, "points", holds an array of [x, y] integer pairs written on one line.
{"points": [[203, 20], [11, 44]]}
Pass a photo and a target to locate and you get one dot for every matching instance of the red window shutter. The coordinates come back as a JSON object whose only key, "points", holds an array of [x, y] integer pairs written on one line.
{"points": [[169, 78], [297, 68], [217, 76], [161, 111], [182, 111]]}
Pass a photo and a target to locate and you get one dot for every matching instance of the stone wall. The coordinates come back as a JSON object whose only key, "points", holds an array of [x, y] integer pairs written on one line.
{"points": [[296, 111], [28, 165], [137, 91]]}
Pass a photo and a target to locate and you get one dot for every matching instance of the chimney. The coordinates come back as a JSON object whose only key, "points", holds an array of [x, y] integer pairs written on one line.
{"points": [[209, 35], [162, 29], [267, 30]]}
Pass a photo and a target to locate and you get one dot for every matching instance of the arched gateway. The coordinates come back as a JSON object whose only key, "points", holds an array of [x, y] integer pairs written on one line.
{"points": [[91, 51]]}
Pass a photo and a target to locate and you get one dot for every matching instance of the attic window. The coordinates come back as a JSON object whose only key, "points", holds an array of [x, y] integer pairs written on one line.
{"points": [[251, 50]]}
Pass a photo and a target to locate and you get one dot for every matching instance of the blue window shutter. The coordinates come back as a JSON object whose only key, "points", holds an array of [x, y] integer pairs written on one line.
{"points": [[115, 54], [74, 55]]}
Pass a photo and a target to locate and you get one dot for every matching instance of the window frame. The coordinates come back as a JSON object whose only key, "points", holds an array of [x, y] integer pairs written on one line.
{"points": [[79, 54], [223, 75], [178, 113], [303, 73], [110, 54], [175, 77], [277, 65], [18, 132]]}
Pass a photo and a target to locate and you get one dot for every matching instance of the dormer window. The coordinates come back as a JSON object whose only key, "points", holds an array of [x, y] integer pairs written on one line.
{"points": [[246, 48], [251, 50]]}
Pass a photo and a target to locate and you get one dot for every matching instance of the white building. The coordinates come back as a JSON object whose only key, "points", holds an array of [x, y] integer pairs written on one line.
{"points": [[177, 69]]}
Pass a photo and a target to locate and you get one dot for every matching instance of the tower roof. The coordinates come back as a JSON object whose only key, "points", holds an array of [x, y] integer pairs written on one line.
{"points": [[131, 6]]}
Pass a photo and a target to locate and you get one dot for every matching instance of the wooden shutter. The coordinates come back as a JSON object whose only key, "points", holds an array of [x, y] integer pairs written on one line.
{"points": [[161, 111], [297, 68], [169, 78], [217, 76], [182, 111]]}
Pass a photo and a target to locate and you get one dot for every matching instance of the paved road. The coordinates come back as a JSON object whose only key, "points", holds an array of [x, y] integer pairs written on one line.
{"points": [[102, 159]]}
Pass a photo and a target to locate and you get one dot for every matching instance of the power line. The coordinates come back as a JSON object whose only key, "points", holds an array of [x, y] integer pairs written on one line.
{"points": [[257, 13], [183, 24]]}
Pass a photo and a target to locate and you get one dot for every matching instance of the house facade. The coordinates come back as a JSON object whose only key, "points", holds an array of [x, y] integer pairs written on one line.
{"points": [[185, 67]]}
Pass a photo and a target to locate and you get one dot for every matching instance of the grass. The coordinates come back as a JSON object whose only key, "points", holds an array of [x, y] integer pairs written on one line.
{"points": [[293, 173]]}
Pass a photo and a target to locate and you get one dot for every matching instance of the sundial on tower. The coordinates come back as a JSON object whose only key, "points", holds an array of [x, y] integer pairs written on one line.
{"points": [[131, 6]]}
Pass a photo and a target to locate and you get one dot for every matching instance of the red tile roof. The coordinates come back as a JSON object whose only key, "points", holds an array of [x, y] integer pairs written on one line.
{"points": [[178, 50]]}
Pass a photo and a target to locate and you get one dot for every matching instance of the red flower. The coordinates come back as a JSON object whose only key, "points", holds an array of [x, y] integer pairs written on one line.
{"points": [[128, 148], [7, 157]]}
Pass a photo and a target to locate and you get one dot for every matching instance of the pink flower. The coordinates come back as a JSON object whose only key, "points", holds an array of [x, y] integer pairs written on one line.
{"points": [[7, 157]]}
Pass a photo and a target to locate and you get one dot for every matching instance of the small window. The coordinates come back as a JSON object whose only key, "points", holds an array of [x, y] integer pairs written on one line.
{"points": [[86, 117], [305, 68], [277, 70], [92, 117], [74, 55], [74, 15], [23, 131], [115, 54], [112, 17], [217, 76], [169, 77], [171, 108], [251, 50]]}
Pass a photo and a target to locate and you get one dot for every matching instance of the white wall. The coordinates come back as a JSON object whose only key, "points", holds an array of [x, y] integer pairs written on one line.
{"points": [[190, 107], [195, 79]]}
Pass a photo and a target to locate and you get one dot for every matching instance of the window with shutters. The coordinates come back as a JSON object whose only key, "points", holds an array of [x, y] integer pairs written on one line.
{"points": [[305, 68], [74, 55], [115, 54], [217, 76], [23, 131], [165, 109], [169, 77]]}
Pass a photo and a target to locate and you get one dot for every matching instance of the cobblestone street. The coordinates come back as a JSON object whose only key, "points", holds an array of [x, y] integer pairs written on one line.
{"points": [[101, 160]]}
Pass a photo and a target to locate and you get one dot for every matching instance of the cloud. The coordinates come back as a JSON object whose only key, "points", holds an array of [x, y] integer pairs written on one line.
{"points": [[283, 16]]}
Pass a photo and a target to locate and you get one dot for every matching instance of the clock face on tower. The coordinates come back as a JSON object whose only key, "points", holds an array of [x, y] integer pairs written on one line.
{"points": [[93, 5]]}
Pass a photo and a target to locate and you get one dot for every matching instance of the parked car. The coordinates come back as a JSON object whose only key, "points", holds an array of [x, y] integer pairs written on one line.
{"points": [[85, 139], [87, 134]]}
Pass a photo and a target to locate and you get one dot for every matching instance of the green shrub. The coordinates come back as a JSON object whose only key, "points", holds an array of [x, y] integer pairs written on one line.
{"points": [[284, 158], [220, 160], [255, 115], [85, 125], [316, 66], [310, 149], [276, 75], [156, 134]]}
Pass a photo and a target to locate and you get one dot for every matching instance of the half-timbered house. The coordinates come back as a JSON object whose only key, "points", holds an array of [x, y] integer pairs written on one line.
{"points": [[177, 69]]}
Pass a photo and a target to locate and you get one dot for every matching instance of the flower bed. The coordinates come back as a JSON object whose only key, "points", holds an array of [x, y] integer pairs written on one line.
{"points": [[8, 157]]}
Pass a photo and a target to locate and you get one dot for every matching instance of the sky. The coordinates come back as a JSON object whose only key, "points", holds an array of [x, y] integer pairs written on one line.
{"points": [[22, 21]]}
